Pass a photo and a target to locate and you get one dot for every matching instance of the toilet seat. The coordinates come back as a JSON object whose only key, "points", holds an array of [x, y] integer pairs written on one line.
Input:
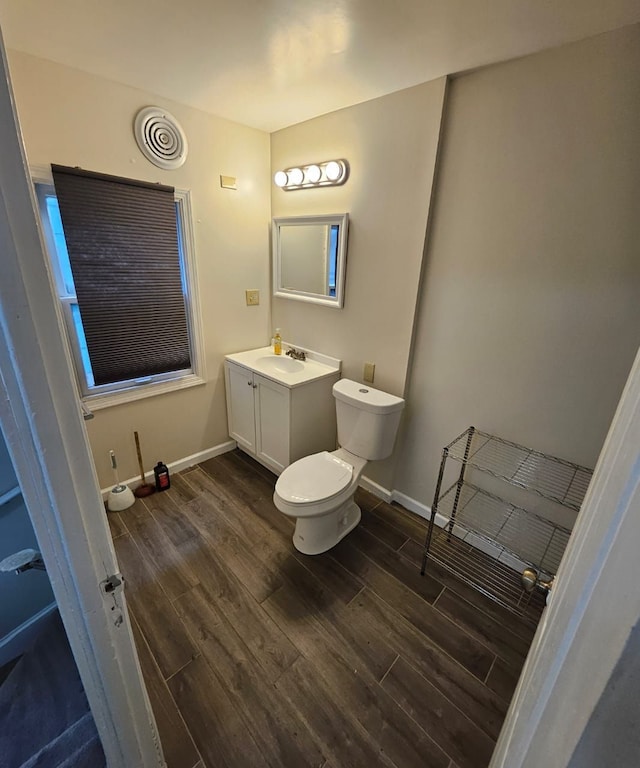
{"points": [[318, 477]]}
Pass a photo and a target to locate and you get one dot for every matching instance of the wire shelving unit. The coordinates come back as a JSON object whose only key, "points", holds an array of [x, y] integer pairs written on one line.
{"points": [[484, 537]]}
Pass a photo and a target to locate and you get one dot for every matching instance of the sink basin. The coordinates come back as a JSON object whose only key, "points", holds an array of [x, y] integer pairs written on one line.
{"points": [[280, 364]]}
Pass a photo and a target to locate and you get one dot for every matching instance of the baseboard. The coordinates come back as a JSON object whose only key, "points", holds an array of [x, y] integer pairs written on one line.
{"points": [[412, 505], [179, 465], [375, 489], [19, 639], [442, 522], [406, 501]]}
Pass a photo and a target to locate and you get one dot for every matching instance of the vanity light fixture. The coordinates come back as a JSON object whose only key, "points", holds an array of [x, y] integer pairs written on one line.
{"points": [[328, 174], [280, 178], [333, 170], [313, 174], [295, 177]]}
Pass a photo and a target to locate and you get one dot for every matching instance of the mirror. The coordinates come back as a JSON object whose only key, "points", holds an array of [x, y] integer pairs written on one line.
{"points": [[309, 258]]}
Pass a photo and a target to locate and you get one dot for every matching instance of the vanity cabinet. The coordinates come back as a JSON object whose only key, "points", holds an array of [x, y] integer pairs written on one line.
{"points": [[278, 424]]}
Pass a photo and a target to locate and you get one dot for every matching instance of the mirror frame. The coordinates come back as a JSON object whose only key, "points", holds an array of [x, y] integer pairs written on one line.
{"points": [[342, 220]]}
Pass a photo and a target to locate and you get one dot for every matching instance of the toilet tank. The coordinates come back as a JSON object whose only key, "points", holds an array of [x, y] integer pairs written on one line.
{"points": [[367, 419]]}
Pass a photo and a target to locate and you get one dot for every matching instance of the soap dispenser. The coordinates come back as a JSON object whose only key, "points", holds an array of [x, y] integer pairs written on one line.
{"points": [[277, 342]]}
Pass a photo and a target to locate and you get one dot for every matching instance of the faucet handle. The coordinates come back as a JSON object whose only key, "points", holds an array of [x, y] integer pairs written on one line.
{"points": [[295, 354]]}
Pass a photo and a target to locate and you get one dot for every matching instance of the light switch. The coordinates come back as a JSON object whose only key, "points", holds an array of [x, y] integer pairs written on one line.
{"points": [[253, 298], [228, 182], [369, 372]]}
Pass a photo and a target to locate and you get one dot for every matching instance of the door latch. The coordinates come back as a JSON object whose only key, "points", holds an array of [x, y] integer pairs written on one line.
{"points": [[112, 584]]}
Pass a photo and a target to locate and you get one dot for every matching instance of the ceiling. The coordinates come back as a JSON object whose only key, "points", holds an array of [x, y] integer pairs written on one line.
{"points": [[273, 63]]}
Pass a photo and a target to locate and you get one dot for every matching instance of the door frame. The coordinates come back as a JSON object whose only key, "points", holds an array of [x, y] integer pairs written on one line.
{"points": [[41, 419]]}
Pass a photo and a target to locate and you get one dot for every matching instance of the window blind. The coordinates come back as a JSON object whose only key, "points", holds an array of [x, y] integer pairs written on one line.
{"points": [[122, 241]]}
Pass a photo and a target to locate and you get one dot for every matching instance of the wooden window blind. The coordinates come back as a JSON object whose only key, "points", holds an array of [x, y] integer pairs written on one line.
{"points": [[122, 241]]}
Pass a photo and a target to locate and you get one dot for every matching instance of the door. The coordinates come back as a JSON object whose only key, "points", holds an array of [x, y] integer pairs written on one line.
{"points": [[43, 427], [272, 423], [240, 406]]}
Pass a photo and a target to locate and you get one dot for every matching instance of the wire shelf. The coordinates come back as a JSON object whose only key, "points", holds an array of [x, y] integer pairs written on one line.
{"points": [[487, 575], [487, 541], [526, 536], [549, 477]]}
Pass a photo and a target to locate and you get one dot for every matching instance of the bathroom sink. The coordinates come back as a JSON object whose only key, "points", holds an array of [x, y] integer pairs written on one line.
{"points": [[279, 363], [285, 370]]}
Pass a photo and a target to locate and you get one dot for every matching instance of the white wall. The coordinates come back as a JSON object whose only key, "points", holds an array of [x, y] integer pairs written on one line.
{"points": [[391, 146], [73, 118], [529, 314]]}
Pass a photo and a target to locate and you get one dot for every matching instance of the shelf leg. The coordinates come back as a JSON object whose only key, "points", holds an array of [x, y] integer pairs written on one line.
{"points": [[434, 509], [460, 481]]}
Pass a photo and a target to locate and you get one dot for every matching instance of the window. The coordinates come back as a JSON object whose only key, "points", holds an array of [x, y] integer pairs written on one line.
{"points": [[333, 259], [125, 274]]}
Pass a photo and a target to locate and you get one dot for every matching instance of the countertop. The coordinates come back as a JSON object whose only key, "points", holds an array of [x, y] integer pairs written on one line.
{"points": [[285, 370]]}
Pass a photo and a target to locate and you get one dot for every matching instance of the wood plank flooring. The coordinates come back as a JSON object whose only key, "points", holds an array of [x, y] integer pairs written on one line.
{"points": [[256, 655]]}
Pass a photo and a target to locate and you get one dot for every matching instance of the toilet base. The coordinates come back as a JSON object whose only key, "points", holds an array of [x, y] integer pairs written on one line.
{"points": [[315, 535]]}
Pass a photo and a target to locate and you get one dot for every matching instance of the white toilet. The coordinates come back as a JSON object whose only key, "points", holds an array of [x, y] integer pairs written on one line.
{"points": [[318, 490]]}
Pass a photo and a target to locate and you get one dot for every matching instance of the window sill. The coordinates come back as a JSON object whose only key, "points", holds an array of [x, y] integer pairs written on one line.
{"points": [[97, 402]]}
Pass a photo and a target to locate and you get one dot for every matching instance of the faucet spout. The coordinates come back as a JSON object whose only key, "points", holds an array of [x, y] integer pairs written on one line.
{"points": [[296, 354]]}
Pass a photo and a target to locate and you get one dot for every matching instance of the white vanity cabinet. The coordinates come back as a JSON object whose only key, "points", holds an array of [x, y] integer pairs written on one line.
{"points": [[275, 422], [258, 413]]}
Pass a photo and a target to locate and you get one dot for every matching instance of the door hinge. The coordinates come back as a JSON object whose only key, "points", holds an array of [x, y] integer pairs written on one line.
{"points": [[113, 584]]}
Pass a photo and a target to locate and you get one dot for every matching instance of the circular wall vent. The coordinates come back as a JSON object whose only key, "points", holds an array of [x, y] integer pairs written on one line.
{"points": [[160, 138]]}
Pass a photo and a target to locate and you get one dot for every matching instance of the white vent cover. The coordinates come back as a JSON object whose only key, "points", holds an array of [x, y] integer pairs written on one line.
{"points": [[160, 138]]}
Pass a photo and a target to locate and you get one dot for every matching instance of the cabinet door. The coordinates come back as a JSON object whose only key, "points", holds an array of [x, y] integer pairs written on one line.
{"points": [[240, 406], [272, 423]]}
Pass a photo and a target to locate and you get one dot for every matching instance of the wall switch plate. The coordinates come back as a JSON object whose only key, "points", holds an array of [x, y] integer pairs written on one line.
{"points": [[253, 298], [228, 182], [369, 372]]}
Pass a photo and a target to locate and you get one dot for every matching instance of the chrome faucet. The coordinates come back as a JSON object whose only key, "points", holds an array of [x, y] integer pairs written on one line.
{"points": [[296, 354]]}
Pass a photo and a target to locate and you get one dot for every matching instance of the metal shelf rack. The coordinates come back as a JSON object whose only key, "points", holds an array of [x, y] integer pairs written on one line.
{"points": [[508, 535]]}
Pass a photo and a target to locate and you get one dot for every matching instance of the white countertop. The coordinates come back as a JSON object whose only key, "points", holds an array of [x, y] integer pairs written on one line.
{"points": [[284, 370]]}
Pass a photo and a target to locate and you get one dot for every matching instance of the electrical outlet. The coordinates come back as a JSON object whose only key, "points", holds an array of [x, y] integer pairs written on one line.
{"points": [[369, 372], [253, 298]]}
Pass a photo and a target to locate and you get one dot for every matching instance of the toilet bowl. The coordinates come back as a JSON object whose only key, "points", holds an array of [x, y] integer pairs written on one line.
{"points": [[318, 490]]}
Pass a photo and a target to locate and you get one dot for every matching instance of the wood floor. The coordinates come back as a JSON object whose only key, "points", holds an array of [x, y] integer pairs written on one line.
{"points": [[256, 655]]}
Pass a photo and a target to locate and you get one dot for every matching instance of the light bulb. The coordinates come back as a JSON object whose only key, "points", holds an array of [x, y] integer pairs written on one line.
{"points": [[295, 176], [313, 174], [280, 178], [333, 170]]}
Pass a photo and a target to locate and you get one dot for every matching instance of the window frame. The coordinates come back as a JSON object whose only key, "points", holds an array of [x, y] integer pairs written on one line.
{"points": [[118, 393]]}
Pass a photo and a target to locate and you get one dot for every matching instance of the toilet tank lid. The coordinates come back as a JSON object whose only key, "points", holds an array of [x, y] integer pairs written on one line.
{"points": [[366, 397]]}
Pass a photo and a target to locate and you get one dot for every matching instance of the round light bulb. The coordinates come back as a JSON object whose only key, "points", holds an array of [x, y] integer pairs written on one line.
{"points": [[313, 174], [295, 176], [333, 170], [280, 178]]}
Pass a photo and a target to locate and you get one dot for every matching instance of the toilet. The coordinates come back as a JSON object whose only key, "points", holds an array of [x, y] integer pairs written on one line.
{"points": [[318, 490]]}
